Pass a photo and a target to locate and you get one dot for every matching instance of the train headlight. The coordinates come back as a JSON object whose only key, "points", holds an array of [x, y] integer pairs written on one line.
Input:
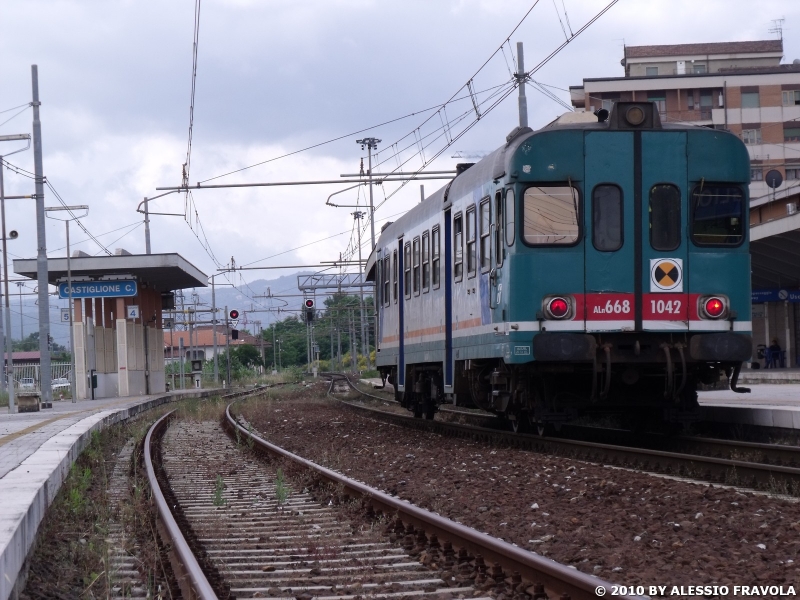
{"points": [[635, 115], [714, 307], [558, 308]]}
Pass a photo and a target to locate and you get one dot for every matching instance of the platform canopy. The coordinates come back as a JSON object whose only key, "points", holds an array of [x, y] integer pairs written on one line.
{"points": [[164, 272], [775, 253]]}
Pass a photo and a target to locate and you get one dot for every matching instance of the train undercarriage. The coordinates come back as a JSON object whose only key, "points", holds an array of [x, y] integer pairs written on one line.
{"points": [[643, 379]]}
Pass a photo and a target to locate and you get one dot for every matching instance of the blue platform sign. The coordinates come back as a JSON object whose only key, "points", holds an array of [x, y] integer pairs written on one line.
{"points": [[123, 288], [775, 295]]}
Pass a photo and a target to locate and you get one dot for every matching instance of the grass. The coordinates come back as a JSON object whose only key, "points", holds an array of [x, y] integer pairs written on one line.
{"points": [[219, 488], [281, 491]]}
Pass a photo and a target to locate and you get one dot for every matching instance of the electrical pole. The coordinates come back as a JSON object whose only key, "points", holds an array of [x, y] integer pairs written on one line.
{"points": [[228, 346], [20, 285], [146, 228], [364, 341], [46, 376], [370, 144], [9, 362], [521, 78], [214, 328], [274, 351]]}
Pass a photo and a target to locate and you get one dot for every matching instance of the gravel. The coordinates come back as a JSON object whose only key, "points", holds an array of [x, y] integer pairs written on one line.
{"points": [[624, 526]]}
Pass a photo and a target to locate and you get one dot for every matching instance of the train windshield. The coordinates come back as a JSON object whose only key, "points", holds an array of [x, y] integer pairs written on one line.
{"points": [[550, 215], [717, 218]]}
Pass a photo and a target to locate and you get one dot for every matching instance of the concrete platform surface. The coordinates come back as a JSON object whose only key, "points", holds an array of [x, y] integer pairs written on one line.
{"points": [[36, 452]]}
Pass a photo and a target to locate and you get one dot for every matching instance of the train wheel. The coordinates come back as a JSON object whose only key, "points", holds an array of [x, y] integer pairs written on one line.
{"points": [[430, 411], [418, 411]]}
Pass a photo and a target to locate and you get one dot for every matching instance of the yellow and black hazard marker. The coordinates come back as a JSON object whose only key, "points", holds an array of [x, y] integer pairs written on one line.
{"points": [[666, 275]]}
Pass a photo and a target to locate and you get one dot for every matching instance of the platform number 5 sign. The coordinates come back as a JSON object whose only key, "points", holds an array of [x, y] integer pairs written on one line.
{"points": [[133, 311]]}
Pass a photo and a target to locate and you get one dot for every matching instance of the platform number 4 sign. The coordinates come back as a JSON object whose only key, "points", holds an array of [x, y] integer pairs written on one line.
{"points": [[132, 311]]}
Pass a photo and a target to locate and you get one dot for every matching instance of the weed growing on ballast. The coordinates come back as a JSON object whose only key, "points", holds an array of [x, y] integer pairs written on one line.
{"points": [[218, 489], [281, 491]]}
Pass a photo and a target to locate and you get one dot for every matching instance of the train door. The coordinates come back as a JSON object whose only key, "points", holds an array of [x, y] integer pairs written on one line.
{"points": [[497, 303], [609, 225], [401, 351], [662, 175]]}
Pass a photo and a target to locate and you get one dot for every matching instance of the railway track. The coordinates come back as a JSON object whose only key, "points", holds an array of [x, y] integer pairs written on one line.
{"points": [[237, 530], [771, 467]]}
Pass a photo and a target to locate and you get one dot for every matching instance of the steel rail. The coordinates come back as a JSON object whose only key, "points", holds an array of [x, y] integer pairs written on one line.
{"points": [[556, 577], [770, 470], [191, 579]]}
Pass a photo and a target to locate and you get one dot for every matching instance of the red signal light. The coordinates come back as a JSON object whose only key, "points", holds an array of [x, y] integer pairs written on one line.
{"points": [[309, 303], [234, 314], [714, 307], [558, 308]]}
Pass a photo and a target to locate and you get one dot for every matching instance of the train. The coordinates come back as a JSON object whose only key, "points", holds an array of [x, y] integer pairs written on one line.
{"points": [[598, 264]]}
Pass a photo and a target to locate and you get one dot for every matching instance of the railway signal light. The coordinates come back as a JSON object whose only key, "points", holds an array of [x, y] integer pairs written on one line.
{"points": [[234, 334], [234, 314], [308, 308]]}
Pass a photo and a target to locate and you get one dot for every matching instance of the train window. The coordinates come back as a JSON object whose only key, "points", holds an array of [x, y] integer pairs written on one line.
{"points": [[386, 281], [717, 215], [550, 215], [394, 276], [498, 234], [417, 271], [472, 259], [486, 230], [458, 247], [607, 218], [426, 261], [407, 269], [665, 217], [435, 256], [510, 217]]}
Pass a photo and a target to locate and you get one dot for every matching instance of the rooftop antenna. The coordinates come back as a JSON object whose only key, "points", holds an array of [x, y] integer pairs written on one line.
{"points": [[777, 27]]}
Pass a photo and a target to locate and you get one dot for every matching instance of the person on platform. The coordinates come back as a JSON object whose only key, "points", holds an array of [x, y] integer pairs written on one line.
{"points": [[774, 354]]}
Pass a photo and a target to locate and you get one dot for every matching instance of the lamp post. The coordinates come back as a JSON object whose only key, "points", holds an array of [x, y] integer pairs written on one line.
{"points": [[10, 360], [20, 285], [51, 209]]}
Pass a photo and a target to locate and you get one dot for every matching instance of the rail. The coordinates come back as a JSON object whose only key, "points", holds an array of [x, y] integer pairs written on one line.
{"points": [[191, 579], [559, 579]]}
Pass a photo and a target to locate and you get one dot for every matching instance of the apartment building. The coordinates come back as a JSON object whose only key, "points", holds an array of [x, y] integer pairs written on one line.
{"points": [[749, 89]]}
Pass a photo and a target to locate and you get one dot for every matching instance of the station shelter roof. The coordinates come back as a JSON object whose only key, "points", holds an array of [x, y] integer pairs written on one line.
{"points": [[165, 272]]}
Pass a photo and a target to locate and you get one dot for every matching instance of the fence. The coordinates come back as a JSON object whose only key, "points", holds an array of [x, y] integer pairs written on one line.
{"points": [[28, 376]]}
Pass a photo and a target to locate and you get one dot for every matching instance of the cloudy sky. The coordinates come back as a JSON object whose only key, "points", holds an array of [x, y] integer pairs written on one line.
{"points": [[277, 76]]}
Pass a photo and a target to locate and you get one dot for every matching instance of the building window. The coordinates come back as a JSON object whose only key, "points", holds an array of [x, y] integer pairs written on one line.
{"points": [[651, 71], [750, 100], [387, 280], [395, 278], [458, 247], [756, 174], [790, 134], [435, 256], [753, 136], [665, 217], [498, 234], [550, 215], [793, 173], [472, 257], [698, 68], [486, 230], [690, 100], [791, 98], [706, 103], [417, 270], [426, 261], [607, 218], [407, 269], [717, 215]]}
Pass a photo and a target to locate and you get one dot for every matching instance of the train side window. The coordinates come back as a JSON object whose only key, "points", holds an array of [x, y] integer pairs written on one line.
{"points": [[417, 270], [498, 233], [386, 281], [510, 217], [550, 215], [407, 269], [665, 217], [472, 258], [426, 261], [435, 256], [458, 247], [717, 215], [486, 230], [395, 278], [607, 218]]}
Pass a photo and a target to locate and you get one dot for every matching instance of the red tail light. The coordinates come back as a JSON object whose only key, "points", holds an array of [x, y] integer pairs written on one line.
{"points": [[558, 308], [714, 307]]}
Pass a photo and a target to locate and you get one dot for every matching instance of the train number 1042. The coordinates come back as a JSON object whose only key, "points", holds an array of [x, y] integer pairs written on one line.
{"points": [[665, 306]]}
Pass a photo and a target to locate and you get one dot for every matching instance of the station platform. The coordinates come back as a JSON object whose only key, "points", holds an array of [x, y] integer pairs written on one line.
{"points": [[749, 376], [767, 405], [37, 450]]}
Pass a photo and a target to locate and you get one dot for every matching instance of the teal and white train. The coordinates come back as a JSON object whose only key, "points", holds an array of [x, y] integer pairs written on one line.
{"points": [[598, 263]]}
